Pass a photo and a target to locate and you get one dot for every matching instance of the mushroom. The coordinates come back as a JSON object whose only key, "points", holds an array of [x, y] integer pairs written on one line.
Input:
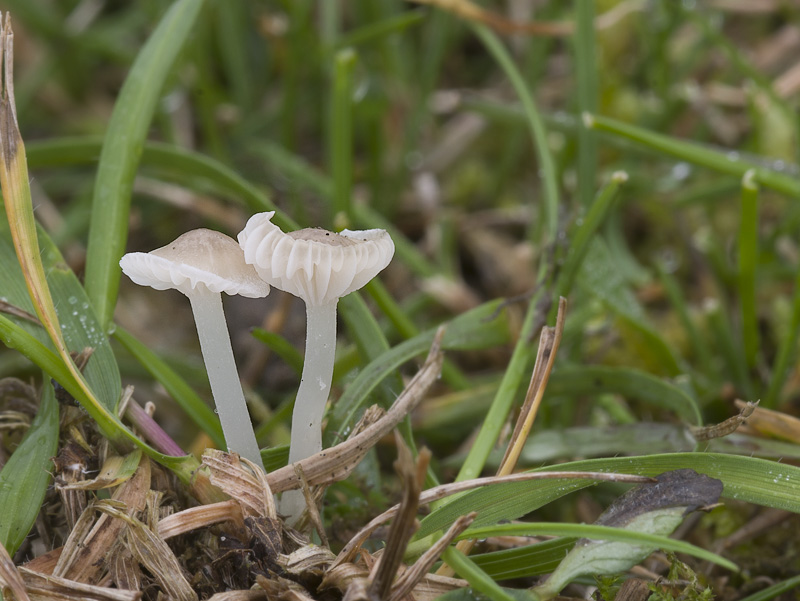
{"points": [[202, 264], [320, 267]]}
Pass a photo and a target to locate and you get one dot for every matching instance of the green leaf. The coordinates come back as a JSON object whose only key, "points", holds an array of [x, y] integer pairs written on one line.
{"points": [[627, 381], [744, 478], [26, 475], [599, 533], [523, 562], [79, 326], [122, 149]]}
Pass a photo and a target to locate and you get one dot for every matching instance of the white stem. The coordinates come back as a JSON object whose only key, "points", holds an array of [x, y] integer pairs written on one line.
{"points": [[215, 344], [312, 396]]}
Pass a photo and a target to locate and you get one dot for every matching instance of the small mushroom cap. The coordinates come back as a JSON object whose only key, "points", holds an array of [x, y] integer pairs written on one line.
{"points": [[199, 258], [316, 265]]}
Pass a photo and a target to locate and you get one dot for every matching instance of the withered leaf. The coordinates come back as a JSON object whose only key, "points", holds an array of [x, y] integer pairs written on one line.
{"points": [[656, 508]]}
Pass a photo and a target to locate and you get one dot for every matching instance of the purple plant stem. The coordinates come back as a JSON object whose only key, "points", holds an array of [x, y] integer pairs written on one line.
{"points": [[151, 431]]}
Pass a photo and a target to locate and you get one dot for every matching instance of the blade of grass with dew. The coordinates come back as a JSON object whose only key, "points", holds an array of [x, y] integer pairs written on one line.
{"points": [[604, 533], [746, 479], [587, 91], [730, 163], [81, 327], [178, 165], [77, 323], [25, 477], [122, 148], [747, 265], [183, 394], [21, 230], [627, 381], [477, 578], [471, 330], [579, 244], [340, 144]]}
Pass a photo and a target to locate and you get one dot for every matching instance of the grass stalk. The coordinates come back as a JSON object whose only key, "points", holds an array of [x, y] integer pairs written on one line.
{"points": [[535, 123], [587, 89], [747, 263], [122, 149], [340, 151]]}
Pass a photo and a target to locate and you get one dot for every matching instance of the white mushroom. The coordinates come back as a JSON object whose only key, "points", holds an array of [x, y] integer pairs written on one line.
{"points": [[202, 264], [320, 267]]}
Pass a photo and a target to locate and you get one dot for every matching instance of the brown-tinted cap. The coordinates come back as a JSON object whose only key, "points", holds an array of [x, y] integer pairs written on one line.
{"points": [[197, 258]]}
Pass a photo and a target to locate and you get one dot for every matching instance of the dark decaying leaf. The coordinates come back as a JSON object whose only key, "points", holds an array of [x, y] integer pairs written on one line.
{"points": [[656, 508]]}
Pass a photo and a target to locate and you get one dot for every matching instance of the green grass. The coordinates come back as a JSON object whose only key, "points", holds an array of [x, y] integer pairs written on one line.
{"points": [[646, 171]]}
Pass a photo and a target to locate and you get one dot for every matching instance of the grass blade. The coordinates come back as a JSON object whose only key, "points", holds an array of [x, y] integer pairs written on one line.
{"points": [[477, 578], [730, 163], [535, 122], [748, 258], [587, 84], [26, 475], [340, 151], [122, 149], [605, 533], [583, 235], [745, 478]]}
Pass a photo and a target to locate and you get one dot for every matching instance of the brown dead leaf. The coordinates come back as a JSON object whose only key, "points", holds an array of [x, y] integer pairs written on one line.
{"points": [[154, 554], [199, 517], [773, 423], [42, 586], [85, 548], [247, 485], [10, 576]]}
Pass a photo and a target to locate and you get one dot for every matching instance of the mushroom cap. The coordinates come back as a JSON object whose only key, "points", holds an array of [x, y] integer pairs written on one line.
{"points": [[199, 258], [314, 264]]}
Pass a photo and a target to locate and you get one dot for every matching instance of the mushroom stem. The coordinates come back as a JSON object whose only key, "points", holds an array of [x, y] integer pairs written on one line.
{"points": [[312, 395], [315, 383], [215, 344]]}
